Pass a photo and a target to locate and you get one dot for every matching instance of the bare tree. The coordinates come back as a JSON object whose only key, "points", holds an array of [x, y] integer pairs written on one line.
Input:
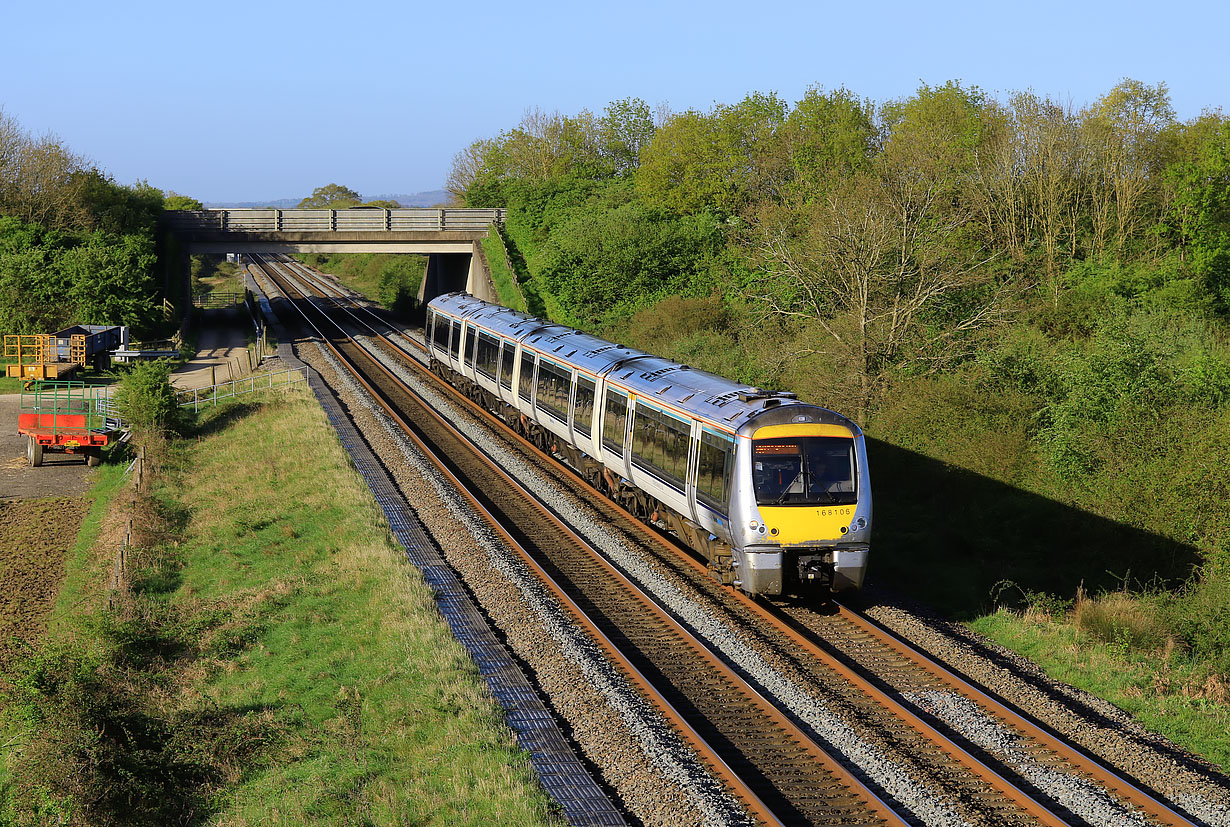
{"points": [[46, 184], [869, 264], [468, 165]]}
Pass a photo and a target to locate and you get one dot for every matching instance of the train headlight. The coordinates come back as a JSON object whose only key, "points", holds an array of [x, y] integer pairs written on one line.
{"points": [[773, 531], [862, 523], [753, 525]]}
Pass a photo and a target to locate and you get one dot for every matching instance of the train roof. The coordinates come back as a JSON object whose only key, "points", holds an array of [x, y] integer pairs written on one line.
{"points": [[709, 396]]}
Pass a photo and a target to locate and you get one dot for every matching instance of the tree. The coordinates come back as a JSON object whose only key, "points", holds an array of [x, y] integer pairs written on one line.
{"points": [[1025, 186], [1122, 129], [873, 266], [626, 128], [720, 161], [1199, 212], [330, 196], [475, 162], [175, 201], [826, 135]]}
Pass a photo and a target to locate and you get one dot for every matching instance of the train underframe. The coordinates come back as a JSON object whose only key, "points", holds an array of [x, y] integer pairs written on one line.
{"points": [[803, 571]]}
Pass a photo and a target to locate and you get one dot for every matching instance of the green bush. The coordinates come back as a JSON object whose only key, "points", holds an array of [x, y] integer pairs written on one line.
{"points": [[146, 400], [603, 265], [1200, 615]]}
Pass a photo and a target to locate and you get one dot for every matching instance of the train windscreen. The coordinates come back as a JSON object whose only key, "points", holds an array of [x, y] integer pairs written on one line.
{"points": [[805, 470]]}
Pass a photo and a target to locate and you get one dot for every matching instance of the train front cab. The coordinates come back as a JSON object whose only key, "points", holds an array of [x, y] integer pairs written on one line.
{"points": [[808, 507]]}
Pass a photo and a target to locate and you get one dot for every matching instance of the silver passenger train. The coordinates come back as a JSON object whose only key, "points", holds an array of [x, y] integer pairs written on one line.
{"points": [[773, 492]]}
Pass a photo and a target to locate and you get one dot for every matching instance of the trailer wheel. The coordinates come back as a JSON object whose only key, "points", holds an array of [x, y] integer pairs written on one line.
{"points": [[93, 458], [35, 453]]}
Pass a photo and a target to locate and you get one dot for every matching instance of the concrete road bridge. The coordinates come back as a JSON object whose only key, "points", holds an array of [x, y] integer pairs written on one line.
{"points": [[451, 238]]}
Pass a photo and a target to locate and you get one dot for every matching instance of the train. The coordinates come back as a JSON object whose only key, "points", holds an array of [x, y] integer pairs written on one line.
{"points": [[773, 492]]}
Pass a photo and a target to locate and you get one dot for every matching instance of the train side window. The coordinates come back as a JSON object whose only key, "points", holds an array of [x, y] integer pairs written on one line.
{"points": [[471, 344], [526, 384], [660, 444], [454, 345], [615, 420], [488, 355], [583, 415], [506, 364], [554, 383], [714, 467], [441, 332]]}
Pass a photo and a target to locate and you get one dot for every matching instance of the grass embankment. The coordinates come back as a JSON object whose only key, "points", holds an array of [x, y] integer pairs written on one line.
{"points": [[1168, 693], [389, 278], [273, 658], [502, 275]]}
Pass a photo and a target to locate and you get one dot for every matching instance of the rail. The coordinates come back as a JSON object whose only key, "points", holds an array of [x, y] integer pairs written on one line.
{"points": [[340, 221], [212, 394]]}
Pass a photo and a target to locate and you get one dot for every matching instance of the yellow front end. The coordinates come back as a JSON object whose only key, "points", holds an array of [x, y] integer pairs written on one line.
{"points": [[806, 482]]}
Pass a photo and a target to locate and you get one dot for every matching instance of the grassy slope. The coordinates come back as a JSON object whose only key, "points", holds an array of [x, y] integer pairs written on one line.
{"points": [[302, 622], [504, 279], [1166, 694], [332, 619]]}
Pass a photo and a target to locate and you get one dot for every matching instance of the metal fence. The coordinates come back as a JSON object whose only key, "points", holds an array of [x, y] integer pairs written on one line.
{"points": [[211, 395], [218, 299], [356, 220]]}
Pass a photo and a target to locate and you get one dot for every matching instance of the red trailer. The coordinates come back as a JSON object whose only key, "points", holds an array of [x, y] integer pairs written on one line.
{"points": [[66, 417]]}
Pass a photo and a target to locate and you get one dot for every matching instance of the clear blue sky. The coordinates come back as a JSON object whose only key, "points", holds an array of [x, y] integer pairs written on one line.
{"points": [[231, 101]]}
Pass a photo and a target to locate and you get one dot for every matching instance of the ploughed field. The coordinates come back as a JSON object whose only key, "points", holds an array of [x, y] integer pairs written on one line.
{"points": [[35, 538]]}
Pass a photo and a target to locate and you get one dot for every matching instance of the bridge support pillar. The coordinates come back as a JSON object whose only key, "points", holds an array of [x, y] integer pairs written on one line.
{"points": [[446, 273]]}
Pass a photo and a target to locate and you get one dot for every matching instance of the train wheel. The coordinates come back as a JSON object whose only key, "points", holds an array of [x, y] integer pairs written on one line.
{"points": [[93, 458], [35, 453]]}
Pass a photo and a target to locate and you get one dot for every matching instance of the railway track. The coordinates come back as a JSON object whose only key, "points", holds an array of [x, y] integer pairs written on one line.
{"points": [[772, 766]]}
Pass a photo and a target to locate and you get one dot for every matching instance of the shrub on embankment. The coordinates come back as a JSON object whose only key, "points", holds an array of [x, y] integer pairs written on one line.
{"points": [[267, 658]]}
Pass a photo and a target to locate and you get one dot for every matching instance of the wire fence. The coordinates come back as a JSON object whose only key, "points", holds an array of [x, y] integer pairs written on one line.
{"points": [[213, 394]]}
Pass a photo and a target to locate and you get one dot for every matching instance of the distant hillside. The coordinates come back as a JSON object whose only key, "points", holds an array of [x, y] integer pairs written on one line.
{"points": [[431, 198]]}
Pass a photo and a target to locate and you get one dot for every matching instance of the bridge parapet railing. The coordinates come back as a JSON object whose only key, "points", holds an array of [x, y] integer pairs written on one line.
{"points": [[355, 220]]}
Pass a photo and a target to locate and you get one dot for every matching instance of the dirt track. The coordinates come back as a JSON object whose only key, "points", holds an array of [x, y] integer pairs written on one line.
{"points": [[35, 538]]}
